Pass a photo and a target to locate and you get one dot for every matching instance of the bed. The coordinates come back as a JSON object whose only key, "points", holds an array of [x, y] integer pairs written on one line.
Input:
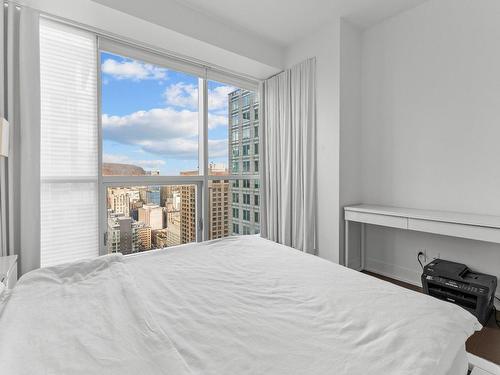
{"points": [[241, 305]]}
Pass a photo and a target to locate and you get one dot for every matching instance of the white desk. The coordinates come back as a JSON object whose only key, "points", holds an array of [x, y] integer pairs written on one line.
{"points": [[475, 227]]}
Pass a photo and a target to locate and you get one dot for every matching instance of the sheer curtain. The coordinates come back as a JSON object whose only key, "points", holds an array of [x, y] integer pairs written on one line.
{"points": [[48, 184], [19, 173], [289, 157], [69, 144]]}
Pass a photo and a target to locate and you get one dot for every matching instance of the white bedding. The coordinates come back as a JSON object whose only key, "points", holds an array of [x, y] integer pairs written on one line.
{"points": [[241, 306], [460, 363], [82, 318]]}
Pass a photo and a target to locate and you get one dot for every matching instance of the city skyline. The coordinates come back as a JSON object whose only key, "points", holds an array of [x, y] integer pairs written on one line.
{"points": [[150, 125], [142, 218]]}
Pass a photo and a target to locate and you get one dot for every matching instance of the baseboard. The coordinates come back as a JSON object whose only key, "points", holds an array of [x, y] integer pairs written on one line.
{"points": [[355, 263], [393, 271]]}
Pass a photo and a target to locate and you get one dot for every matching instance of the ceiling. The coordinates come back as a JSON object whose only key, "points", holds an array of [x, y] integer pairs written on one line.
{"points": [[285, 21], [259, 30]]}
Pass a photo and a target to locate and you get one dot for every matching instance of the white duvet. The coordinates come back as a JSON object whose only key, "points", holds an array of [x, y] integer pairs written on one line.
{"points": [[82, 318], [237, 306]]}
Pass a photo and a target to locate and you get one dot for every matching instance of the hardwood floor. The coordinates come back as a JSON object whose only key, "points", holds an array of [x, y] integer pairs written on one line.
{"points": [[484, 344]]}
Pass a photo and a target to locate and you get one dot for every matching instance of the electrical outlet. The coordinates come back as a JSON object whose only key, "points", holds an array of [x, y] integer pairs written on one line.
{"points": [[422, 253]]}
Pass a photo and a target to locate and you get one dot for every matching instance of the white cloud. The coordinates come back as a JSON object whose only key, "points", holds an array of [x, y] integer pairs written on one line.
{"points": [[215, 121], [182, 94], [155, 124], [134, 70], [176, 148], [218, 98], [112, 158], [217, 148], [163, 131], [123, 159], [172, 132], [185, 95], [185, 148]]}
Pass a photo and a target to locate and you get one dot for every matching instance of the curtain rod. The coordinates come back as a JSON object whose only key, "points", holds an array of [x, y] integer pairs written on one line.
{"points": [[283, 71], [274, 75], [145, 46]]}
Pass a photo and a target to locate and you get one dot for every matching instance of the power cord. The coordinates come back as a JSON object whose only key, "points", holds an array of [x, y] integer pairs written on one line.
{"points": [[418, 258], [496, 313]]}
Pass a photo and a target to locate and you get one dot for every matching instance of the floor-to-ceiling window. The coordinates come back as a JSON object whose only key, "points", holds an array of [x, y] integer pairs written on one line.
{"points": [[176, 152]]}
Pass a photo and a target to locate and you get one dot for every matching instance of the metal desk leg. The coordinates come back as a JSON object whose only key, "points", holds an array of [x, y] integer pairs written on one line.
{"points": [[346, 243], [363, 246]]}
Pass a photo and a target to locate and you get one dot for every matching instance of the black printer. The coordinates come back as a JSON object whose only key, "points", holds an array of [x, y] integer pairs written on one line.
{"points": [[456, 283]]}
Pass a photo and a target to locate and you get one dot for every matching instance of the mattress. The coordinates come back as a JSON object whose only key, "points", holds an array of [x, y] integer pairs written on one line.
{"points": [[460, 363], [241, 305]]}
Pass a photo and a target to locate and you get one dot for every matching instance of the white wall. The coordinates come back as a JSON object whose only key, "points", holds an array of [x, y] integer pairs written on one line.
{"points": [[257, 62], [175, 15], [324, 44], [350, 133], [431, 127], [337, 47]]}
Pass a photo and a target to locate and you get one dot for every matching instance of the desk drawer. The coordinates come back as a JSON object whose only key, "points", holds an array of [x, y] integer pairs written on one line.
{"points": [[377, 219], [472, 232]]}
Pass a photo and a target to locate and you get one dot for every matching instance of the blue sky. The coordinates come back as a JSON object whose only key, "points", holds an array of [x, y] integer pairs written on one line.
{"points": [[150, 116]]}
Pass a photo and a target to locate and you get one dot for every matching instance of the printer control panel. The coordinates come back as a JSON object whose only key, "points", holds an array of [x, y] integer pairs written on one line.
{"points": [[458, 285]]}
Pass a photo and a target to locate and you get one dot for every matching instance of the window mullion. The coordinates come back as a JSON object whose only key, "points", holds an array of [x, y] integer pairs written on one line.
{"points": [[101, 190], [203, 153]]}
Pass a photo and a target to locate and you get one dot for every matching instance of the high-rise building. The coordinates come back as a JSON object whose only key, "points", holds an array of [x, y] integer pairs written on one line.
{"points": [[176, 200], [144, 236], [122, 235], [165, 193], [218, 203], [119, 201], [113, 236], [243, 139], [134, 209], [188, 210], [152, 215], [150, 194], [170, 197], [133, 195], [166, 237], [173, 235]]}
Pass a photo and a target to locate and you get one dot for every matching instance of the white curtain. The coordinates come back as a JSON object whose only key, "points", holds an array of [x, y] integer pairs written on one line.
{"points": [[288, 172], [19, 173], [69, 144]]}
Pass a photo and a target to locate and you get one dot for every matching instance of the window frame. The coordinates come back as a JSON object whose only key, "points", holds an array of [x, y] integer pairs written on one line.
{"points": [[201, 181]]}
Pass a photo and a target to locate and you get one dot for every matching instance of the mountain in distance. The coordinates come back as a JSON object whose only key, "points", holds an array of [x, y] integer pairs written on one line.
{"points": [[118, 169]]}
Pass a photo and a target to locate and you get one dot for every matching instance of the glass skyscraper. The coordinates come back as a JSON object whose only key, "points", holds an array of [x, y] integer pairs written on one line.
{"points": [[243, 139]]}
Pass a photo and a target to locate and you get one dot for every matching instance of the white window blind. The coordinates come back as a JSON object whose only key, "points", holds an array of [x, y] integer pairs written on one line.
{"points": [[69, 144]]}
